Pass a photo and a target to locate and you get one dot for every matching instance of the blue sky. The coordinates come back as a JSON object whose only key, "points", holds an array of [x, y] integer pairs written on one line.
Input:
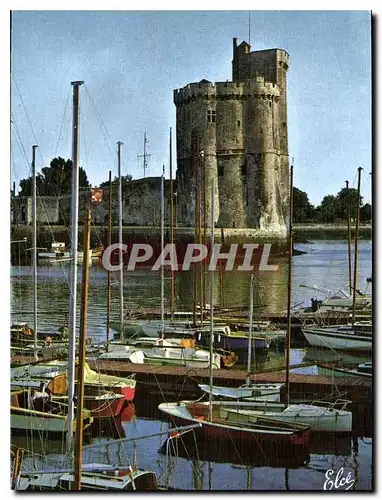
{"points": [[131, 62]]}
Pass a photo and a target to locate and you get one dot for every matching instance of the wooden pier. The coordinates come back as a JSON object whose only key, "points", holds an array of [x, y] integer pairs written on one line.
{"points": [[171, 382]]}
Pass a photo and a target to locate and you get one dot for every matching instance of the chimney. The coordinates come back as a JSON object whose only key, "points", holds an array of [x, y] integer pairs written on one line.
{"points": [[234, 46]]}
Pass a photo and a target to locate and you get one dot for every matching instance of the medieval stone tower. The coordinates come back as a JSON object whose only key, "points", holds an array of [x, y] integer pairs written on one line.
{"points": [[236, 133]]}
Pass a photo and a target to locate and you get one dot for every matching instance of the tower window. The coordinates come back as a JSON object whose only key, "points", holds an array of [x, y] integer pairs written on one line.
{"points": [[244, 169], [220, 171], [211, 116], [238, 123]]}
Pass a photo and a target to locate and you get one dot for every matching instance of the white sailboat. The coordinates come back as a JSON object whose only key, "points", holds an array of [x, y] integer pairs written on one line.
{"points": [[219, 423], [163, 352], [327, 417], [356, 336], [249, 391]]}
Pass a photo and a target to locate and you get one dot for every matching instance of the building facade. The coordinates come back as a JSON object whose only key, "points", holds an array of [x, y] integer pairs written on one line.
{"points": [[235, 133]]}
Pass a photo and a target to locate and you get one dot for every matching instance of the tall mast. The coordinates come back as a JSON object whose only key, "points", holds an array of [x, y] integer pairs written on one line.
{"points": [[250, 331], [200, 265], [204, 267], [120, 240], [289, 305], [109, 230], [172, 227], [162, 247], [356, 242], [197, 240], [81, 355], [34, 250], [212, 251], [73, 256], [349, 235]]}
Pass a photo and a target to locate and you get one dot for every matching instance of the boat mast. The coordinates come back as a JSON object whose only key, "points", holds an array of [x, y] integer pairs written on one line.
{"points": [[172, 228], [109, 230], [34, 250], [197, 240], [162, 247], [81, 355], [356, 236], [349, 236], [120, 241], [73, 256], [200, 264], [250, 331], [212, 251], [289, 305]]}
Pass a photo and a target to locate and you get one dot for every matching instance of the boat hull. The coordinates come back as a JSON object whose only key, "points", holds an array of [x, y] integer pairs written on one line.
{"points": [[260, 392], [286, 444], [236, 344], [321, 337], [138, 480], [22, 422], [317, 418]]}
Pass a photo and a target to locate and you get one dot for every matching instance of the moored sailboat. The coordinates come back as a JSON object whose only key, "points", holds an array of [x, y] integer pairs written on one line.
{"points": [[219, 423]]}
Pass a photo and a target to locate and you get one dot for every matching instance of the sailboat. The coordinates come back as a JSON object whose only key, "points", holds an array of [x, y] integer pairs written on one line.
{"points": [[357, 336], [31, 409], [218, 422], [326, 417], [163, 352], [249, 391]]}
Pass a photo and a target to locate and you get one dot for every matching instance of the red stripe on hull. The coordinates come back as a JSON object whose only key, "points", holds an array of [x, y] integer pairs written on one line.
{"points": [[285, 445], [104, 408], [126, 390]]}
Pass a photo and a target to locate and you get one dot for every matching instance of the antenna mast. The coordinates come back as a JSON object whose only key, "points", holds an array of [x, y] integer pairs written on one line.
{"points": [[145, 154], [249, 28]]}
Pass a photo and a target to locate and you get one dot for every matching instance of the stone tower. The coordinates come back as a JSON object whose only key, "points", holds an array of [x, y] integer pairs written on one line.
{"points": [[236, 133]]}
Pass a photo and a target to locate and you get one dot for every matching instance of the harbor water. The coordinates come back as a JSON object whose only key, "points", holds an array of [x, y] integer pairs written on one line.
{"points": [[323, 265]]}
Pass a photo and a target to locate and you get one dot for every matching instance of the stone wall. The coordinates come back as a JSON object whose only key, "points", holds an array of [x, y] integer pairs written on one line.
{"points": [[141, 205], [47, 210]]}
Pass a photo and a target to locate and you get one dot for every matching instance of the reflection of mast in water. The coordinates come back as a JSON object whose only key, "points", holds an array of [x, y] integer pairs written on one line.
{"points": [[197, 475], [286, 476], [249, 478], [356, 464]]}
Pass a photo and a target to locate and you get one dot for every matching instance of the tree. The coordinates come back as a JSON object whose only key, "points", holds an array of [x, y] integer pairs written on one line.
{"points": [[329, 208], [347, 197], [302, 210], [366, 213], [125, 180], [54, 180]]}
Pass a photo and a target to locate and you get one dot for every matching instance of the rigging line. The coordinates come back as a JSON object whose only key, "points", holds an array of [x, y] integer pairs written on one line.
{"points": [[26, 113], [82, 122], [21, 144], [101, 124], [62, 123]]}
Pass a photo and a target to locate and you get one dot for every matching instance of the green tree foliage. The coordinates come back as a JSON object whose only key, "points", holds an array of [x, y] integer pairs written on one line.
{"points": [[366, 213], [329, 208], [303, 211], [344, 198], [115, 183], [54, 180]]}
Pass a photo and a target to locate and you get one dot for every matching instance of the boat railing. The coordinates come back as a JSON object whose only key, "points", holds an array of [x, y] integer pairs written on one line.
{"points": [[338, 404]]}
